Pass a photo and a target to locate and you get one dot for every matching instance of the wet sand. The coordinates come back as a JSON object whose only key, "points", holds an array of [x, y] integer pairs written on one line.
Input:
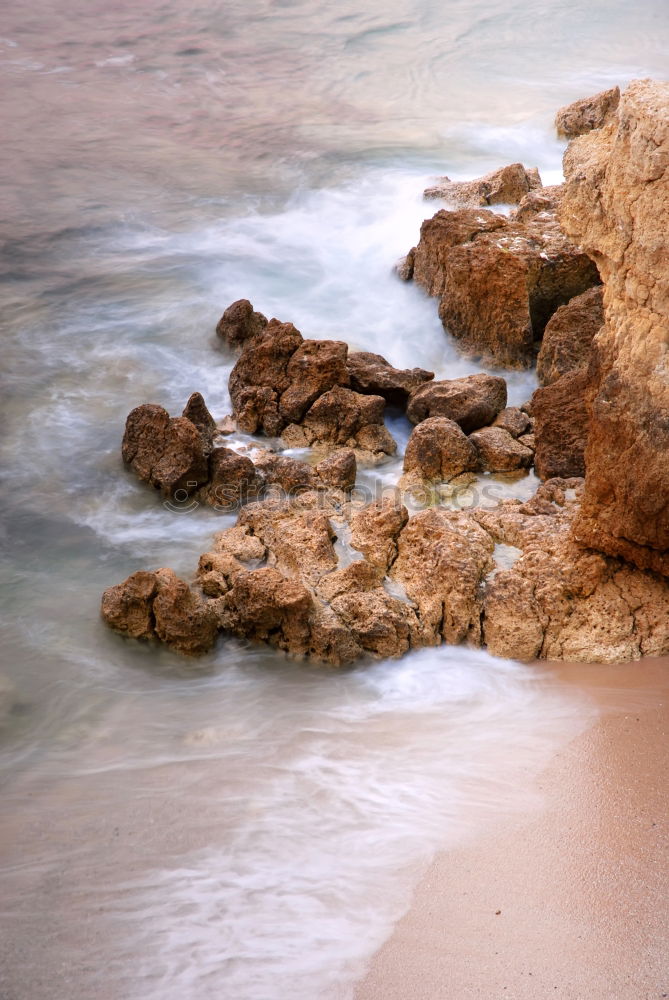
{"points": [[570, 901]]}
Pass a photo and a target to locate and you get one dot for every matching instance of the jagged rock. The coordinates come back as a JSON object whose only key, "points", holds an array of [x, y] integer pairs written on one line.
{"points": [[404, 267], [513, 420], [289, 474], [160, 605], [375, 530], [260, 378], [299, 541], [441, 560], [265, 605], [342, 417], [196, 411], [541, 204], [587, 114], [498, 280], [371, 373], [616, 204], [472, 402], [561, 425], [560, 601], [315, 367], [358, 577], [567, 341], [338, 469], [239, 324], [499, 451], [167, 452], [233, 479], [504, 186], [379, 623], [438, 450]]}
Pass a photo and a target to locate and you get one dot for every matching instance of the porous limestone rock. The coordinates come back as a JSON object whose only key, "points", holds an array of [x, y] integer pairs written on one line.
{"points": [[167, 452], [372, 374], [508, 185], [341, 417], [567, 340], [376, 528], [438, 450], [499, 451], [616, 204], [560, 416], [513, 420], [239, 324], [587, 114], [472, 402], [339, 469]]}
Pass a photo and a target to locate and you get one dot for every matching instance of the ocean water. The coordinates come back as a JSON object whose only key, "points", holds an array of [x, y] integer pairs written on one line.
{"points": [[243, 827]]}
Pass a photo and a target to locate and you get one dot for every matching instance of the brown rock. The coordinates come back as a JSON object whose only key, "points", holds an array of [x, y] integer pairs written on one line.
{"points": [[232, 479], [441, 561], [616, 204], [315, 367], [561, 426], [358, 577], [587, 114], [567, 341], [499, 451], [342, 417], [371, 373], [289, 474], [438, 450], [338, 469], [472, 401], [513, 420], [196, 411], [379, 623], [260, 378], [160, 605], [504, 186], [239, 324], [169, 453], [375, 530], [299, 541], [498, 280], [541, 204], [562, 602], [265, 605]]}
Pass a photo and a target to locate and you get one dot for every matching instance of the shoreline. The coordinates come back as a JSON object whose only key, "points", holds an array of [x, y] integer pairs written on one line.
{"points": [[579, 883]]}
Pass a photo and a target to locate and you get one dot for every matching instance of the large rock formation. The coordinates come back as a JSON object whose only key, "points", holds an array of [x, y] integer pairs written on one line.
{"points": [[498, 280], [616, 205]]}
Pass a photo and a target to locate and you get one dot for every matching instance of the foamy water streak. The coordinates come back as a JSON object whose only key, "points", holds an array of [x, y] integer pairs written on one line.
{"points": [[313, 804]]}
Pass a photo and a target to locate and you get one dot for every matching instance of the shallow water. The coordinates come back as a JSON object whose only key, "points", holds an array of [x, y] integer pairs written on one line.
{"points": [[242, 827]]}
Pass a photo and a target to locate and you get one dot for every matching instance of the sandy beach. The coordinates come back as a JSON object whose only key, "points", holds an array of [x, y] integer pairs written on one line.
{"points": [[570, 901]]}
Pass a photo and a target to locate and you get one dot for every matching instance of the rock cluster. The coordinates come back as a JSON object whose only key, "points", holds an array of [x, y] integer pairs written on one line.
{"points": [[311, 392], [498, 280]]}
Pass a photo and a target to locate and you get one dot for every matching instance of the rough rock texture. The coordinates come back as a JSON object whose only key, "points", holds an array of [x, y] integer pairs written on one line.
{"points": [[616, 204], [161, 606], [513, 420], [561, 601], [438, 450], [472, 401], [498, 281], [375, 530], [567, 340], [338, 469], [499, 451], [239, 324], [196, 411], [560, 414], [587, 114], [342, 417], [371, 373], [442, 559], [232, 479], [542, 203], [508, 185], [288, 474], [167, 452]]}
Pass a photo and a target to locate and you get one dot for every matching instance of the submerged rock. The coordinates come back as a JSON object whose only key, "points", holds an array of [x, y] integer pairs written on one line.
{"points": [[508, 185], [587, 114], [616, 204]]}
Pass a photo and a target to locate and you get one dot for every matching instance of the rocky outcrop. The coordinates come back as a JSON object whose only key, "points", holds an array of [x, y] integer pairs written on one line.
{"points": [[343, 418], [587, 114], [372, 374], [472, 401], [508, 185], [167, 452], [161, 606], [563, 602], [616, 204], [498, 280], [240, 324], [567, 340]]}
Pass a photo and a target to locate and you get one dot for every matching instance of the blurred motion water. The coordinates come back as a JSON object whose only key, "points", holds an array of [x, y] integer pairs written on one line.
{"points": [[243, 827]]}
